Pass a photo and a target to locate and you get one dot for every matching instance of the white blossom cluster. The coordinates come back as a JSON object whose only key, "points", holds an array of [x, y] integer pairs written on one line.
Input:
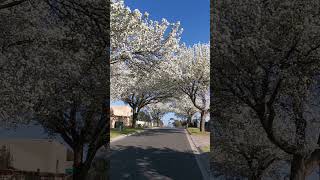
{"points": [[148, 60], [134, 37]]}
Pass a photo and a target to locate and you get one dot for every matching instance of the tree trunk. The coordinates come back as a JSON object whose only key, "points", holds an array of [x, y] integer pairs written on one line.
{"points": [[189, 120], [297, 168], [202, 121], [134, 119], [79, 170]]}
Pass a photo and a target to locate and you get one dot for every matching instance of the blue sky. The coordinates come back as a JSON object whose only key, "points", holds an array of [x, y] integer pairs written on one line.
{"points": [[194, 17]]}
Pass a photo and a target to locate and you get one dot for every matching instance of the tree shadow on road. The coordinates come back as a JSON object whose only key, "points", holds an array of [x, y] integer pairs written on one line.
{"points": [[155, 132], [137, 163]]}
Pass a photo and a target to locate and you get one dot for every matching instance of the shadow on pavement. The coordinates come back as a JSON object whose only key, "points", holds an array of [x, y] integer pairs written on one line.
{"points": [[155, 132], [138, 163]]}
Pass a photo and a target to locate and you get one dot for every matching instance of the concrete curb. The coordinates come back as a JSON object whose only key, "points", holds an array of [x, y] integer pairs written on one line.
{"points": [[197, 151], [193, 141], [125, 135]]}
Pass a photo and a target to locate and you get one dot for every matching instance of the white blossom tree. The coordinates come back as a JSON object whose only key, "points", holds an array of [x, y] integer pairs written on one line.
{"points": [[138, 40], [241, 148], [184, 107], [266, 55], [190, 72], [144, 91], [54, 70], [158, 110], [144, 116], [138, 46]]}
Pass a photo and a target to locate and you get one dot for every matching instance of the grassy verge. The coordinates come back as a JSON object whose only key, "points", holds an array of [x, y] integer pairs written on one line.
{"points": [[205, 149], [115, 132], [196, 131]]}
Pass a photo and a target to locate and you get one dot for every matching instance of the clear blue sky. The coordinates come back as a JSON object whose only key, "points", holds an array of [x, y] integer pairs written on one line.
{"points": [[193, 15]]}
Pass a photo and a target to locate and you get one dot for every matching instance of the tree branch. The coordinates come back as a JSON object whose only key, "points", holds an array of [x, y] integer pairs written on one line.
{"points": [[11, 4]]}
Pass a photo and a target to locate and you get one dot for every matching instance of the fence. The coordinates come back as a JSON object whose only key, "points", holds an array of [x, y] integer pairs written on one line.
{"points": [[28, 175]]}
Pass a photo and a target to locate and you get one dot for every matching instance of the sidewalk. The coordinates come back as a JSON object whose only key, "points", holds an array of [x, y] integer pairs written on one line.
{"points": [[202, 142]]}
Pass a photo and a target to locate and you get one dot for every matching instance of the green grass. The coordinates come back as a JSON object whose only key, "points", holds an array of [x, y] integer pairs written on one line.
{"points": [[196, 131], [205, 148], [115, 132]]}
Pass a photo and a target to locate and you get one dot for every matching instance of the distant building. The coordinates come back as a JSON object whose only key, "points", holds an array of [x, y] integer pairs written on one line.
{"points": [[120, 113], [38, 154]]}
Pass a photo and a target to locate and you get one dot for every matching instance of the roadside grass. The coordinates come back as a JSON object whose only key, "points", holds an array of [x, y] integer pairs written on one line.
{"points": [[205, 149], [115, 132], [196, 131]]}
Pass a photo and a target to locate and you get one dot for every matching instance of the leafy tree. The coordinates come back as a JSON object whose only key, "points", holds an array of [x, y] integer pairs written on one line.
{"points": [[266, 57], [54, 71]]}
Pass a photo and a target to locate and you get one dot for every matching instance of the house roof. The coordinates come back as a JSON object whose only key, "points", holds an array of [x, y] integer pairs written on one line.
{"points": [[121, 111]]}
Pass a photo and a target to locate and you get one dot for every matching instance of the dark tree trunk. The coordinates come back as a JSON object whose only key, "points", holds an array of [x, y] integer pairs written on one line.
{"points": [[77, 156], [189, 120], [80, 171], [134, 119], [203, 121], [297, 168]]}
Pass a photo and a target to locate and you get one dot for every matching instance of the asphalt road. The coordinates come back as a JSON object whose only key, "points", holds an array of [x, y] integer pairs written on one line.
{"points": [[156, 154]]}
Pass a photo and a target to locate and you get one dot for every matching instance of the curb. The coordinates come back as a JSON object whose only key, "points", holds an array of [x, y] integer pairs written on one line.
{"points": [[193, 141], [196, 151], [125, 135], [188, 131]]}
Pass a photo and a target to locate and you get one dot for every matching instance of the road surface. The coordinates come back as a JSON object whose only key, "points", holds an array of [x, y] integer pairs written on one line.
{"points": [[156, 154]]}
